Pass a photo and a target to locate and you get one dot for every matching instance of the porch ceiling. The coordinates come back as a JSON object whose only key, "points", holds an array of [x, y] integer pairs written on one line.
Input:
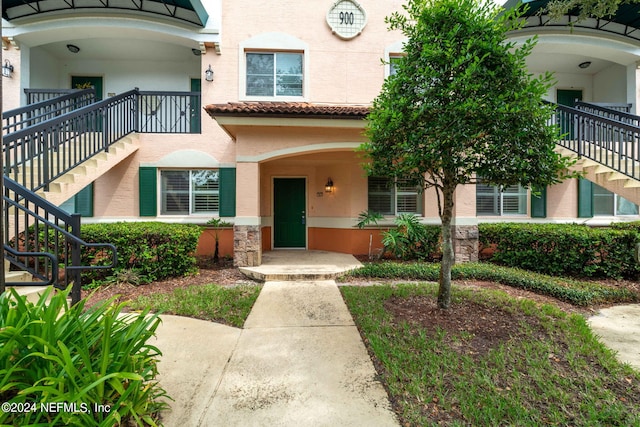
{"points": [[625, 22], [186, 11]]}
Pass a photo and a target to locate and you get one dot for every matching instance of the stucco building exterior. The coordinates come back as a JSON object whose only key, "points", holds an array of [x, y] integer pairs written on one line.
{"points": [[278, 94]]}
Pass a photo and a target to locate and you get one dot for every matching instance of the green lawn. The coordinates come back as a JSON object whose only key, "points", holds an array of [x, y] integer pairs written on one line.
{"points": [[548, 370], [228, 305]]}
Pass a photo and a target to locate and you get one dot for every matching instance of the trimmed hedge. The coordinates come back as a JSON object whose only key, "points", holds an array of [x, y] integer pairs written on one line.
{"points": [[572, 291], [154, 250], [564, 249]]}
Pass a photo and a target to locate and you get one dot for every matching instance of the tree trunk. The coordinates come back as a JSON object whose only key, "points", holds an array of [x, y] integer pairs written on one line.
{"points": [[444, 291]]}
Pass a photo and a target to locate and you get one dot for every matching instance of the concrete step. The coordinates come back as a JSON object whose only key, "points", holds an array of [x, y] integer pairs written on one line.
{"points": [[32, 293], [299, 265]]}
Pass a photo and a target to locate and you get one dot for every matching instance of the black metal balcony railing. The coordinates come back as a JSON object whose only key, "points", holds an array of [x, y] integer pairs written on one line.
{"points": [[69, 100], [168, 112], [35, 96], [610, 111], [42, 239], [612, 143]]}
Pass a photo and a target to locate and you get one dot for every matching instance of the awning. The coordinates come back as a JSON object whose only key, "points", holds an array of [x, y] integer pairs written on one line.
{"points": [[625, 22], [233, 116], [185, 11]]}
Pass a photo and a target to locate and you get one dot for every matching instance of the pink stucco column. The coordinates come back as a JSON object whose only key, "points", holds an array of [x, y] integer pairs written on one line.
{"points": [[247, 236]]}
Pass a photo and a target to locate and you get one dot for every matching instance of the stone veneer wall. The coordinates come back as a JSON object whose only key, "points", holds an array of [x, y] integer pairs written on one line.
{"points": [[465, 242], [247, 246]]}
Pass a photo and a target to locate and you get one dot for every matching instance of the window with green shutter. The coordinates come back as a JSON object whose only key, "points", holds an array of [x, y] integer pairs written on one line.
{"points": [[188, 192], [585, 198], [148, 191], [81, 203], [539, 204], [227, 192]]}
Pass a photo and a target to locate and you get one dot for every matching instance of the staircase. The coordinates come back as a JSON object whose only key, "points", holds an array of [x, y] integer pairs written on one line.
{"points": [[54, 148], [605, 143]]}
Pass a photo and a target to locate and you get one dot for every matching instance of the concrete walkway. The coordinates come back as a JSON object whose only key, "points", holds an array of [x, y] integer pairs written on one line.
{"points": [[299, 361], [619, 329]]}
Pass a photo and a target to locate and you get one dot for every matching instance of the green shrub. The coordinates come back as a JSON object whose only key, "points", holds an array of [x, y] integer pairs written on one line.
{"points": [[98, 359], [572, 291], [153, 250], [410, 239], [564, 249]]}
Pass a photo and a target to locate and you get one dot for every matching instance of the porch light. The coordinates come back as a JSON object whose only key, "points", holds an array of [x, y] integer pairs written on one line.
{"points": [[328, 187], [73, 48], [208, 74], [7, 68], [584, 64]]}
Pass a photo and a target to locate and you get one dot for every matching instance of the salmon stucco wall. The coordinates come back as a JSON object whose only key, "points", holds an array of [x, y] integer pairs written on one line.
{"points": [[207, 242], [353, 241]]}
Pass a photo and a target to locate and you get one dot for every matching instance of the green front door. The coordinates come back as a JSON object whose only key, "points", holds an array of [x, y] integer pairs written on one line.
{"points": [[194, 112], [84, 82], [568, 97], [289, 213]]}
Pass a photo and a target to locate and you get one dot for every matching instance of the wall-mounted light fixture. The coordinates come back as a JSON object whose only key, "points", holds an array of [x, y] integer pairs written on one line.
{"points": [[196, 52], [73, 48], [328, 187], [584, 64], [208, 74], [7, 69]]}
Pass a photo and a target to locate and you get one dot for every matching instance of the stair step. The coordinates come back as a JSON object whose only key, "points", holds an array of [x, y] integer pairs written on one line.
{"points": [[32, 293]]}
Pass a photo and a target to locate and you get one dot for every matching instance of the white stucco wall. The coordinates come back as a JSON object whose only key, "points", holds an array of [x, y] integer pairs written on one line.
{"points": [[610, 85]]}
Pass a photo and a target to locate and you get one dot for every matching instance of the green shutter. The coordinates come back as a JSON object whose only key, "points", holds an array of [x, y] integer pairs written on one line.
{"points": [[83, 201], [148, 191], [539, 204], [585, 198], [227, 192]]}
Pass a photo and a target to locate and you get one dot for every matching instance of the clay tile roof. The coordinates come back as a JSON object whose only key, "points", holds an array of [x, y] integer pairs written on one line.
{"points": [[288, 109]]}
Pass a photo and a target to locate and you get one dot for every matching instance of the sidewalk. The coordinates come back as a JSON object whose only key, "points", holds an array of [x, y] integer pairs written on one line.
{"points": [[299, 361]]}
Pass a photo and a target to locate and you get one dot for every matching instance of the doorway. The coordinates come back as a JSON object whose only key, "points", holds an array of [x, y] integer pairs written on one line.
{"points": [[85, 82], [289, 213], [568, 97]]}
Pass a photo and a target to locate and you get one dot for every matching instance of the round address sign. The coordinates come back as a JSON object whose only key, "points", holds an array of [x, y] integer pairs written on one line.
{"points": [[346, 18]]}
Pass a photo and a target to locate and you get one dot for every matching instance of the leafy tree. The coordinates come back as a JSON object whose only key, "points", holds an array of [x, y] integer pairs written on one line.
{"points": [[585, 8], [461, 105]]}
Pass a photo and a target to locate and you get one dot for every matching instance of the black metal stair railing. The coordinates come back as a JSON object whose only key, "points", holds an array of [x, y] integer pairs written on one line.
{"points": [[42, 239], [612, 143], [36, 155], [35, 113]]}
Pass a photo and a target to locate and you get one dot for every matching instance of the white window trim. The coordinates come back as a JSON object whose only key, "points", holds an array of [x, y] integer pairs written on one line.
{"points": [[272, 43], [396, 193], [500, 195], [393, 50]]}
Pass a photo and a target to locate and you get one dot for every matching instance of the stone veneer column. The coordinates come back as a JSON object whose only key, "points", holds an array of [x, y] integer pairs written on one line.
{"points": [[465, 242], [247, 246]]}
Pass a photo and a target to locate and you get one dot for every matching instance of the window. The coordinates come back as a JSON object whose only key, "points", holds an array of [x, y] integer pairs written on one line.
{"points": [[606, 203], [274, 74], [388, 199], [185, 192], [490, 200], [393, 64]]}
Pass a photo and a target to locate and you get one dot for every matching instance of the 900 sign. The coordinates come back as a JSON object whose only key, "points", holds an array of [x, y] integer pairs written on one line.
{"points": [[346, 18]]}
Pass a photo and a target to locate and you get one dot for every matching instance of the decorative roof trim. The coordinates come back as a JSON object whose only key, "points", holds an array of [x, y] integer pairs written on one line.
{"points": [[288, 110]]}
